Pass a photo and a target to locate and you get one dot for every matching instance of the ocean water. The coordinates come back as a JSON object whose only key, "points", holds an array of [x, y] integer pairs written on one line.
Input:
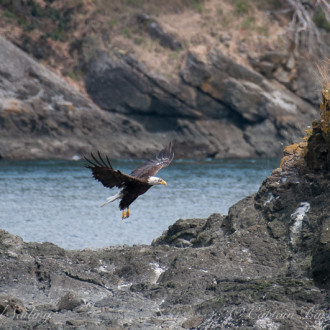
{"points": [[59, 201]]}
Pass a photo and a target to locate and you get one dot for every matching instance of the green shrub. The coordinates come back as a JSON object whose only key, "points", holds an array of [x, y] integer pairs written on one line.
{"points": [[249, 23], [8, 14], [320, 20], [242, 7], [27, 27], [127, 33], [76, 74], [195, 4], [113, 22]]}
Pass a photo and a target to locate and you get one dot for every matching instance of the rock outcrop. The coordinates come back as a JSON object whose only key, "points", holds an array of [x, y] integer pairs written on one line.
{"points": [[42, 116], [263, 266], [215, 108], [218, 106]]}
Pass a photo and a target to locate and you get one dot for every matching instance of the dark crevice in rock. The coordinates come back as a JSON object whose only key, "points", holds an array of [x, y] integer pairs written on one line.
{"points": [[156, 123], [87, 280], [317, 156], [321, 267], [43, 277]]}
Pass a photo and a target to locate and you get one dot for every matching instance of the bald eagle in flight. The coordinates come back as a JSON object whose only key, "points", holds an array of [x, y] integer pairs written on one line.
{"points": [[133, 185]]}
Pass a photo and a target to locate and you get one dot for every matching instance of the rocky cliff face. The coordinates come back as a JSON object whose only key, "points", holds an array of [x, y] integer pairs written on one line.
{"points": [[42, 116], [216, 108], [219, 78], [263, 266]]}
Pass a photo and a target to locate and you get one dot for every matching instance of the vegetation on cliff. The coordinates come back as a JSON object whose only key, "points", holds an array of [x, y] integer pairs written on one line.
{"points": [[229, 77], [65, 34]]}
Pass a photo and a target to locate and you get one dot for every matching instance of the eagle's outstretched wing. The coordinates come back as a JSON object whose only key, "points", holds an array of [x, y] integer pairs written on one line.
{"points": [[103, 172], [152, 166]]}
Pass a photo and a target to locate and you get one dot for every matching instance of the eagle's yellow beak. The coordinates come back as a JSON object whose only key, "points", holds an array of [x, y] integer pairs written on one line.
{"points": [[163, 182]]}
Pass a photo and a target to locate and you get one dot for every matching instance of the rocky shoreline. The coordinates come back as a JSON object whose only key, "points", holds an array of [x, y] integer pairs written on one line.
{"points": [[265, 265]]}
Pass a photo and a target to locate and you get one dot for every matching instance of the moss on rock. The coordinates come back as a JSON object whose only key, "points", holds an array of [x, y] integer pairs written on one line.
{"points": [[313, 150], [325, 111]]}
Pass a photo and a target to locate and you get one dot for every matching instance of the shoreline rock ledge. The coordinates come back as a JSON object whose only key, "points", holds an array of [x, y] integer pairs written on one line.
{"points": [[265, 265]]}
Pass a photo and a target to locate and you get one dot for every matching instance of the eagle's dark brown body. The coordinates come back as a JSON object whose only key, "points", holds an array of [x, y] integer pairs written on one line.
{"points": [[131, 193], [133, 185]]}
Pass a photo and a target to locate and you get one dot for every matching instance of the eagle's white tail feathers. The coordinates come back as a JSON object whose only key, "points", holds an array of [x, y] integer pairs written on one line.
{"points": [[112, 198]]}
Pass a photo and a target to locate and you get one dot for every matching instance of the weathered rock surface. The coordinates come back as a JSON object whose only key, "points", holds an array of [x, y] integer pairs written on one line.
{"points": [[263, 266], [221, 107], [215, 108], [295, 72], [155, 31], [41, 116]]}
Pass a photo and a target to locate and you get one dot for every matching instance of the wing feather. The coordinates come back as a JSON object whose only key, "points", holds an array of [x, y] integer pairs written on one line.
{"points": [[109, 177], [103, 162], [106, 156], [152, 166], [96, 161]]}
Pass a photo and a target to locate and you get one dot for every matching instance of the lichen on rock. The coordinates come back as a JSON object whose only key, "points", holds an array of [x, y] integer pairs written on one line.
{"points": [[318, 148], [325, 111], [314, 149]]}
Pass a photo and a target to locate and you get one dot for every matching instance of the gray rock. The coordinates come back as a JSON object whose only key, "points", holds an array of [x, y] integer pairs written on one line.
{"points": [[41, 116], [264, 265], [294, 73], [181, 234], [283, 76], [10, 306], [69, 302], [246, 99], [267, 129], [306, 72], [214, 108], [217, 89], [267, 63], [195, 71], [155, 31]]}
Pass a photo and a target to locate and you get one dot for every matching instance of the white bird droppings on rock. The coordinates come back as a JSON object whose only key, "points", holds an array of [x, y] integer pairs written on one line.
{"points": [[266, 323], [158, 271], [298, 215]]}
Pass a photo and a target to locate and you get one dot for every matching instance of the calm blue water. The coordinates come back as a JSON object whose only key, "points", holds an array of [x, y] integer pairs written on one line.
{"points": [[59, 201]]}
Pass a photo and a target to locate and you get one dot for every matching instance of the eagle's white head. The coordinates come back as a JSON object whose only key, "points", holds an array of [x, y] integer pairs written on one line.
{"points": [[153, 180]]}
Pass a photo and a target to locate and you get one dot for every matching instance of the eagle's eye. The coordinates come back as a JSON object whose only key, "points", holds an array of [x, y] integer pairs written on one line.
{"points": [[160, 180]]}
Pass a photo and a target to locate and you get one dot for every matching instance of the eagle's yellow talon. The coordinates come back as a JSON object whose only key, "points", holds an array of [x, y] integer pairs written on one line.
{"points": [[123, 216], [128, 213]]}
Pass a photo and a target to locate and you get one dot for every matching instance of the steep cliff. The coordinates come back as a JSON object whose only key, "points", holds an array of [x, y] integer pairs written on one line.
{"points": [[210, 75], [42, 116], [217, 108]]}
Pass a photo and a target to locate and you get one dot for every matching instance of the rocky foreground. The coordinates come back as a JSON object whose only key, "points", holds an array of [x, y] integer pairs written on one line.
{"points": [[265, 265]]}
